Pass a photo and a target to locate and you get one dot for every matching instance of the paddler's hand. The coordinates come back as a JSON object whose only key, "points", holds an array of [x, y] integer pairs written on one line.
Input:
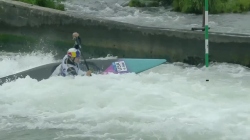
{"points": [[75, 35], [88, 73]]}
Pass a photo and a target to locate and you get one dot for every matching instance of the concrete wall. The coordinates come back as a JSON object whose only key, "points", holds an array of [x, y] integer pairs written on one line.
{"points": [[100, 37]]}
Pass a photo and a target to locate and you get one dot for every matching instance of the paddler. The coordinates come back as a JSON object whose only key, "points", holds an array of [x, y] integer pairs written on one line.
{"points": [[70, 64], [71, 61]]}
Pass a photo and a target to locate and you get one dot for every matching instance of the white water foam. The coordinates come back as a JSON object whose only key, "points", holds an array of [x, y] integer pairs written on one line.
{"points": [[157, 17], [11, 63], [109, 56], [169, 102]]}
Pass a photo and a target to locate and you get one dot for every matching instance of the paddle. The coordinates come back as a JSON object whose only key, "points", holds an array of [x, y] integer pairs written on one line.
{"points": [[78, 41]]}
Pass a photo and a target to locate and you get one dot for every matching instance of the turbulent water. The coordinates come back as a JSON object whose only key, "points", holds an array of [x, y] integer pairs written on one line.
{"points": [[11, 63], [157, 17], [169, 102]]}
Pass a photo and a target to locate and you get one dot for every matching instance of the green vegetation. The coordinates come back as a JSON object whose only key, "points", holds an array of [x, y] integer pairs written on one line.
{"points": [[144, 3], [196, 6], [149, 3], [54, 4]]}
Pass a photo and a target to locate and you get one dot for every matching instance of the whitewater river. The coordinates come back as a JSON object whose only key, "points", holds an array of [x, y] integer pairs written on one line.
{"points": [[117, 10], [169, 102]]}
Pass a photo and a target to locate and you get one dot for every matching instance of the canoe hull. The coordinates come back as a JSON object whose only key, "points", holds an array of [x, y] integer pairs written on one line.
{"points": [[97, 66]]}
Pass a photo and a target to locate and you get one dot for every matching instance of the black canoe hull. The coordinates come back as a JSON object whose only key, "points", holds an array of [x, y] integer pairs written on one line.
{"points": [[44, 72]]}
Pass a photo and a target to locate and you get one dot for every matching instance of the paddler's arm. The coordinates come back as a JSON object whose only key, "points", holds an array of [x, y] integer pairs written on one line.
{"points": [[75, 36], [78, 46]]}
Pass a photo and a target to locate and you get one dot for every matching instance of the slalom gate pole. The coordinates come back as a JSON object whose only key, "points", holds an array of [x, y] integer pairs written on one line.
{"points": [[206, 36]]}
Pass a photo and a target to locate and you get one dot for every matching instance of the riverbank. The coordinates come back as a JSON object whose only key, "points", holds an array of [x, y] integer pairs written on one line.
{"points": [[102, 37]]}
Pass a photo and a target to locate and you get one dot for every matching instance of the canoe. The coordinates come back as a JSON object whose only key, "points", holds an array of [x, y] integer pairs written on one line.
{"points": [[97, 66]]}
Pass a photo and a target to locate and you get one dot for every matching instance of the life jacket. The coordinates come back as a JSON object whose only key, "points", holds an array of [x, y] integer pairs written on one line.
{"points": [[66, 64]]}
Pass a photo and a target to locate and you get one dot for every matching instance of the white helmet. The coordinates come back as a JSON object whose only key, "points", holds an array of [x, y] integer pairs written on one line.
{"points": [[73, 52]]}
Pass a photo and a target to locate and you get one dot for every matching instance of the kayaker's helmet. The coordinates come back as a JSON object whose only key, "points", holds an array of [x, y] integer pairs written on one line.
{"points": [[75, 54]]}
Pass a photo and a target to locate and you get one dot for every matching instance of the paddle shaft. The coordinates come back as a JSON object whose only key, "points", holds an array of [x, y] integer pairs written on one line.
{"points": [[79, 43]]}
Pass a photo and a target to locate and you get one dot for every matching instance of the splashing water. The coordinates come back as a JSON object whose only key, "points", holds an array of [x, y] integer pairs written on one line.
{"points": [[117, 10], [16, 62], [168, 102]]}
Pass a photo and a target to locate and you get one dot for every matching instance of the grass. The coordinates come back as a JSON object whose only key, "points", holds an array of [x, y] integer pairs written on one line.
{"points": [[54, 4], [215, 6]]}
